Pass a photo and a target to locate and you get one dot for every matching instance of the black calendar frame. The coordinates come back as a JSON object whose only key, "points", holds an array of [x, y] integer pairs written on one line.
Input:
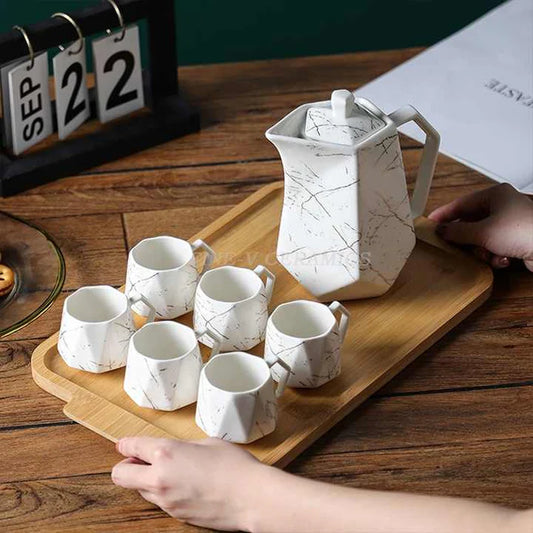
{"points": [[169, 116]]}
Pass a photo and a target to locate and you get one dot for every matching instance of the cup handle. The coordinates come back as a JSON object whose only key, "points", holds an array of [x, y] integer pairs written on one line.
{"points": [[140, 298], [344, 319], [269, 282], [210, 254], [217, 340], [282, 383]]}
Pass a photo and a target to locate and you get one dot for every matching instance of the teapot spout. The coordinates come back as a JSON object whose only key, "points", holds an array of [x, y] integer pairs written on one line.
{"points": [[289, 127]]}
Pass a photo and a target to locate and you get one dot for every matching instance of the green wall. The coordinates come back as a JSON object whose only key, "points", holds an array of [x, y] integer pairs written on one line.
{"points": [[234, 30]]}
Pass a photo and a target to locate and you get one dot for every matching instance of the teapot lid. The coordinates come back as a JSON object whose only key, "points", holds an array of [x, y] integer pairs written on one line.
{"points": [[343, 122]]}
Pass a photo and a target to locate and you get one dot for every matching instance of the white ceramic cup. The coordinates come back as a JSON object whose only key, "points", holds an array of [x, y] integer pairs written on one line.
{"points": [[308, 337], [237, 398], [233, 302], [164, 364], [163, 270], [96, 327]]}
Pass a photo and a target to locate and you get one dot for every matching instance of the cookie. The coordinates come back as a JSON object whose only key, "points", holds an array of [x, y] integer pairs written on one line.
{"points": [[7, 280]]}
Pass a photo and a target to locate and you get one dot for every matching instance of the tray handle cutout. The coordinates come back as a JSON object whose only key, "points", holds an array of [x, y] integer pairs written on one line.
{"points": [[107, 419]]}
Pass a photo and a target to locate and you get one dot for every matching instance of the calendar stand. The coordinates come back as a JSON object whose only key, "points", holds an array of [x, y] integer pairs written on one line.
{"points": [[169, 116]]}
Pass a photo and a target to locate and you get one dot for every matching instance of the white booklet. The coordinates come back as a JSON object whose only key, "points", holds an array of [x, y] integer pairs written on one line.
{"points": [[476, 89]]}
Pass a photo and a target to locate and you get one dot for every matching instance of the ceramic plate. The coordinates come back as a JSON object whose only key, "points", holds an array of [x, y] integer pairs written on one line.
{"points": [[39, 272]]}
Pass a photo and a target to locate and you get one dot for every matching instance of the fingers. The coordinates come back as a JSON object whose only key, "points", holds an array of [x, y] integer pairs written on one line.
{"points": [[147, 449], [475, 233], [149, 496], [482, 254], [160, 502], [130, 475], [497, 261], [134, 460], [474, 206]]}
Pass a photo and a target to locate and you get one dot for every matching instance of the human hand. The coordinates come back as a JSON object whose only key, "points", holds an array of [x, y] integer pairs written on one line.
{"points": [[207, 483], [216, 484], [497, 220]]}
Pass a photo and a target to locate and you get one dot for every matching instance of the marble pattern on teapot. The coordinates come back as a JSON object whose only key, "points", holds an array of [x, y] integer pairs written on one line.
{"points": [[346, 219], [319, 124]]}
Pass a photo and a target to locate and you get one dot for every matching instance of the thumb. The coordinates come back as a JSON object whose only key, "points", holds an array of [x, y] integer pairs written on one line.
{"points": [[464, 232]]}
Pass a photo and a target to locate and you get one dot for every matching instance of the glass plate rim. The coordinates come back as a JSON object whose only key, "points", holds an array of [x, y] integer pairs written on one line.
{"points": [[60, 280]]}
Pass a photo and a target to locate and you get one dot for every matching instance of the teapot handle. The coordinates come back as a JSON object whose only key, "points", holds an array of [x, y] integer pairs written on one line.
{"points": [[429, 156]]}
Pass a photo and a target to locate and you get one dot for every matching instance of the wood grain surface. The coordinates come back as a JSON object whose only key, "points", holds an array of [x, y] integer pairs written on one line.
{"points": [[457, 421]]}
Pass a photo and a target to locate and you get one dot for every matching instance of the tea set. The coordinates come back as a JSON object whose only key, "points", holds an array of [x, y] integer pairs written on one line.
{"points": [[346, 227], [234, 390], [346, 231]]}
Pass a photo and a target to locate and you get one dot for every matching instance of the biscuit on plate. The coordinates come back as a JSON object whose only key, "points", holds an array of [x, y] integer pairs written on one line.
{"points": [[7, 280]]}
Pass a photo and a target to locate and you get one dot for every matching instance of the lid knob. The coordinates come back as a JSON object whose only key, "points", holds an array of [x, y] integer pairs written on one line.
{"points": [[342, 120], [342, 105]]}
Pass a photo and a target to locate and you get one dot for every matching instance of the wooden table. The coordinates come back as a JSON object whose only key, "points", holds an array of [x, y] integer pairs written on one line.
{"points": [[459, 421]]}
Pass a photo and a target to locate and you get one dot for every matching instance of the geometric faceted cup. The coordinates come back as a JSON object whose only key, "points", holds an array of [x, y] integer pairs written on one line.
{"points": [[236, 398], [233, 302], [164, 364], [96, 327], [163, 270], [308, 337]]}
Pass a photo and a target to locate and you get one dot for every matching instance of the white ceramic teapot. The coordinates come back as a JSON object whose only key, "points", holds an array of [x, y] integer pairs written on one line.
{"points": [[346, 227]]}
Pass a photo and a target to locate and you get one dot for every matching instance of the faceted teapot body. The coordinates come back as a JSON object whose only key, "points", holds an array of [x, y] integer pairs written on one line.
{"points": [[346, 227]]}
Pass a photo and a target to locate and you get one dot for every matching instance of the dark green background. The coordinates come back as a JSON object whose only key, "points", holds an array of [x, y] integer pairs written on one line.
{"points": [[233, 30]]}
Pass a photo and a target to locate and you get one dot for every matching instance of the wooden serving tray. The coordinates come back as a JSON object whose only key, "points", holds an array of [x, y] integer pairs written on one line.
{"points": [[438, 287]]}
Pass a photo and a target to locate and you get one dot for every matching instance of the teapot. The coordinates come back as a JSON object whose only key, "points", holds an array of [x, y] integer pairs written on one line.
{"points": [[346, 227]]}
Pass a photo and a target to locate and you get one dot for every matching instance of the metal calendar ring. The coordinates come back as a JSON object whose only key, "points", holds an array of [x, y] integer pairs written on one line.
{"points": [[28, 44], [120, 21], [68, 18]]}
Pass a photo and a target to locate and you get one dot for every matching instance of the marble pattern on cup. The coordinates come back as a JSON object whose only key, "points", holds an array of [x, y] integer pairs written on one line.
{"points": [[308, 337], [233, 302], [164, 270], [237, 399], [346, 227], [164, 365], [96, 326]]}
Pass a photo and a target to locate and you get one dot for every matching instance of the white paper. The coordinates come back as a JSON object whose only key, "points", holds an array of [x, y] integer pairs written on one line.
{"points": [[476, 89]]}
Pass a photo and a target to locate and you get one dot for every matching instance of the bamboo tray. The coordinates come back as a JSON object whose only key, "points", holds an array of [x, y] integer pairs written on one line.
{"points": [[438, 287]]}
